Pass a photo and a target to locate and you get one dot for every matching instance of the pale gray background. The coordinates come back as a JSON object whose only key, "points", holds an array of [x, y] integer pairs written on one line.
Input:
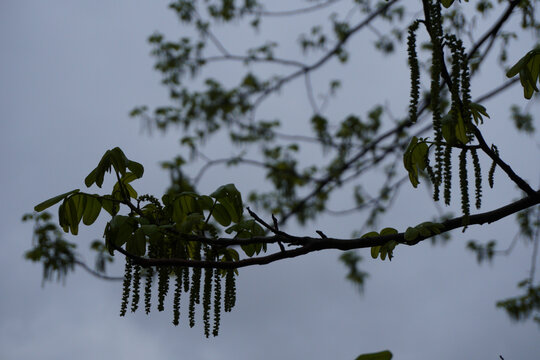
{"points": [[70, 71]]}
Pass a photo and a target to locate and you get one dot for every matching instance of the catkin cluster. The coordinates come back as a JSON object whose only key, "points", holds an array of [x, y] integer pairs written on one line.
{"points": [[185, 281], [454, 130]]}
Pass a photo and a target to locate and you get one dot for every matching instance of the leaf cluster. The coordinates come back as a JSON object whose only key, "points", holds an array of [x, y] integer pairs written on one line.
{"points": [[385, 250], [179, 227], [528, 68]]}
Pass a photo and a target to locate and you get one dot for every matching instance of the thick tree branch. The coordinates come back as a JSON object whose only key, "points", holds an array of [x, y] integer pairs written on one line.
{"points": [[312, 244]]}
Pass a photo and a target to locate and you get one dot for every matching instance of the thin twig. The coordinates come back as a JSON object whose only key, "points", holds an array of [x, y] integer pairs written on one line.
{"points": [[300, 11], [97, 274]]}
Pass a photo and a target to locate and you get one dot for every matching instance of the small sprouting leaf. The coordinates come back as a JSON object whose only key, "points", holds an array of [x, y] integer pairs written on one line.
{"points": [[414, 159], [435, 228], [231, 255], [382, 355], [375, 251], [411, 234], [388, 231], [370, 234], [48, 203], [477, 111], [423, 230], [528, 68], [514, 70], [447, 3], [383, 251]]}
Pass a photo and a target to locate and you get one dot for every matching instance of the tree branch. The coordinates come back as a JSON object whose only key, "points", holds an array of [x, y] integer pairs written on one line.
{"points": [[522, 184], [97, 274], [312, 244], [300, 11], [327, 56]]}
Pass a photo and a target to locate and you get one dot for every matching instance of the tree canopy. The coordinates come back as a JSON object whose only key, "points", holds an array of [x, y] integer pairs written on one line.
{"points": [[200, 240]]}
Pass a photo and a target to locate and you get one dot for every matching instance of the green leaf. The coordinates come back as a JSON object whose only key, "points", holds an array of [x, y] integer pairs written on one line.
{"points": [[414, 158], [461, 132], [191, 222], [205, 202], [407, 155], [135, 168], [131, 191], [91, 210], [74, 210], [121, 229], [48, 203], [246, 229], [528, 68], [184, 204], [514, 70], [221, 215], [383, 355], [249, 250], [137, 244], [119, 160], [129, 177], [62, 217], [91, 178], [375, 251], [149, 229], [231, 199], [97, 175], [110, 205]]}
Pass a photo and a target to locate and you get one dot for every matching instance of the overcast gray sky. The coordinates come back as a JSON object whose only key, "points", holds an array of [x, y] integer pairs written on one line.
{"points": [[70, 71]]}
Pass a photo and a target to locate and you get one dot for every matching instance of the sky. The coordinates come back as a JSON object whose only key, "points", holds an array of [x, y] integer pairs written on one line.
{"points": [[70, 72]]}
